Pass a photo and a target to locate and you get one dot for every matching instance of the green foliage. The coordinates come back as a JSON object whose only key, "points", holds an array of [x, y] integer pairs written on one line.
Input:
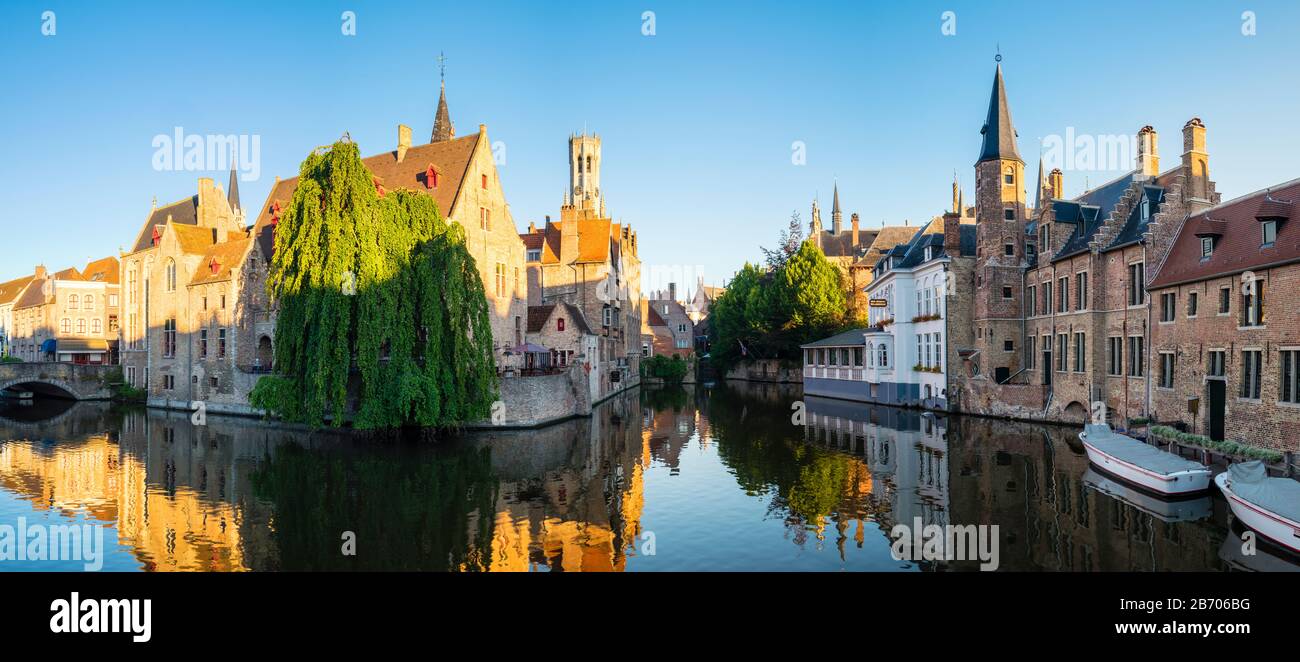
{"points": [[1233, 448], [384, 282], [671, 370], [10, 359], [115, 382], [770, 313]]}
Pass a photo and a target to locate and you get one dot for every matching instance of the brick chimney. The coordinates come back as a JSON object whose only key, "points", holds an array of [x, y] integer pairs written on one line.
{"points": [[1148, 157], [532, 227], [853, 220], [1195, 160], [1056, 180], [672, 291], [952, 233], [403, 141], [40, 272]]}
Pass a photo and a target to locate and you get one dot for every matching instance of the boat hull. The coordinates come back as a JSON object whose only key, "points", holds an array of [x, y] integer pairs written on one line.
{"points": [[1166, 510], [1178, 483], [1276, 528]]}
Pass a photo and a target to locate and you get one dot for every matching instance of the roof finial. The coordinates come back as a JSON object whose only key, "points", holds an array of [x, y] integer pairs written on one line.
{"points": [[998, 58], [442, 66]]}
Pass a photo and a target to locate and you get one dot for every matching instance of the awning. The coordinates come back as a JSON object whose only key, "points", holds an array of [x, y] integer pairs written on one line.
{"points": [[48, 346], [81, 345]]}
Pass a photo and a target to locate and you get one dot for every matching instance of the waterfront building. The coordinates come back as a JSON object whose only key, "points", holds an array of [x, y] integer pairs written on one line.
{"points": [[588, 260], [68, 316], [1225, 345], [698, 307], [561, 329], [9, 293], [1061, 316], [185, 275], [673, 328]]}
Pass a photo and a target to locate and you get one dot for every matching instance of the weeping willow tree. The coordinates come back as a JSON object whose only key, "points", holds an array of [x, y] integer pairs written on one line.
{"points": [[377, 287]]}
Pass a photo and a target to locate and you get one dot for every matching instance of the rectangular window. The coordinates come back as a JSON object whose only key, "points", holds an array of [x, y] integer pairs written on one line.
{"points": [[1167, 304], [1252, 303], [203, 343], [1136, 284], [221, 343], [1207, 246], [1047, 297], [1136, 357], [1030, 347], [1191, 304], [1250, 371], [1032, 301], [1225, 298], [1008, 346], [559, 324], [1270, 232], [1289, 384], [1060, 352], [1008, 249], [938, 351], [1006, 293], [1062, 294], [1215, 363], [1081, 291], [1166, 370], [1080, 351], [857, 357], [169, 382], [169, 338], [534, 255], [484, 219]]}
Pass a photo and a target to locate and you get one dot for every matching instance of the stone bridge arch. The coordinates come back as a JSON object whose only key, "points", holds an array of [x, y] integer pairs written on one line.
{"points": [[68, 380]]}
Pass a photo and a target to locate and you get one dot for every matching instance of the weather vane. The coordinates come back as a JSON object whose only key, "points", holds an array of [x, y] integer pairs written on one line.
{"points": [[442, 65], [998, 57]]}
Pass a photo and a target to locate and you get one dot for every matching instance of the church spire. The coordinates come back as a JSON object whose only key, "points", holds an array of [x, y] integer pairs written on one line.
{"points": [[837, 218], [232, 191], [956, 194], [442, 126], [999, 133], [1042, 185]]}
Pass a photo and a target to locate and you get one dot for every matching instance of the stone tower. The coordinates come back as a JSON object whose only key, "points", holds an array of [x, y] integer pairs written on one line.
{"points": [[1000, 239], [584, 171], [815, 225]]}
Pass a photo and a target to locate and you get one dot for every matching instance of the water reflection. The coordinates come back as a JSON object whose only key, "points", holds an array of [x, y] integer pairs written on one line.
{"points": [[700, 479]]}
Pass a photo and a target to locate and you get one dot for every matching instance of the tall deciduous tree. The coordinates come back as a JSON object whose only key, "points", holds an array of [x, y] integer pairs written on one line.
{"points": [[379, 286]]}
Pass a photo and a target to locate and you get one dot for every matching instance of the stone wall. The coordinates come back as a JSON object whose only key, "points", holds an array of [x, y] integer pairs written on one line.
{"points": [[767, 370], [536, 401]]}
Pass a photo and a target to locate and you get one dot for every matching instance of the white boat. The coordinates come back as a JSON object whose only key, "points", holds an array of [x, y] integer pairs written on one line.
{"points": [[1165, 510], [1269, 506], [1141, 464], [1258, 559]]}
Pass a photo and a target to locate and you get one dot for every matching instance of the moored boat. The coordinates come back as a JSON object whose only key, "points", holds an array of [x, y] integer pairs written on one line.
{"points": [[1141, 464], [1165, 510], [1269, 506]]}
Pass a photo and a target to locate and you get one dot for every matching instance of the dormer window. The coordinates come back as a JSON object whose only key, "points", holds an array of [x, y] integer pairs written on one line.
{"points": [[1146, 210], [214, 266], [275, 212], [1207, 246], [157, 235], [1270, 233], [430, 178], [928, 253]]}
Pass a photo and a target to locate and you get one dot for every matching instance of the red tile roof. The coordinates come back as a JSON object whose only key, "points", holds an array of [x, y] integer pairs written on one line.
{"points": [[103, 271], [1239, 247], [225, 257]]}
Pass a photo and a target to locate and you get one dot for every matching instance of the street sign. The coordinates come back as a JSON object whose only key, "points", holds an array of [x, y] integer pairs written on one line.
{"points": [[879, 303]]}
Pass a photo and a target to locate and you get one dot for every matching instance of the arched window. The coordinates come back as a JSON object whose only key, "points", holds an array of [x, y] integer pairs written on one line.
{"points": [[73, 301], [588, 164], [871, 354], [65, 325], [81, 326], [89, 302], [170, 275], [1009, 176], [96, 326]]}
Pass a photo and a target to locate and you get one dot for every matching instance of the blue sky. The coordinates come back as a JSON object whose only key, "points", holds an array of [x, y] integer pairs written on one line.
{"points": [[697, 121]]}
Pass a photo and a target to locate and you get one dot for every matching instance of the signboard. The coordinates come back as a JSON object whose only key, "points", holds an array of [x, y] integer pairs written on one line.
{"points": [[879, 303]]}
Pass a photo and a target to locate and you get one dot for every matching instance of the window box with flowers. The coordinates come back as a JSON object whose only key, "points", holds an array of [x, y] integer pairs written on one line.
{"points": [[885, 322], [926, 318], [921, 368]]}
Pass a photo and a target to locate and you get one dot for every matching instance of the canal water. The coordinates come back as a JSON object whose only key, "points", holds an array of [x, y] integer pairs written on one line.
{"points": [[738, 476]]}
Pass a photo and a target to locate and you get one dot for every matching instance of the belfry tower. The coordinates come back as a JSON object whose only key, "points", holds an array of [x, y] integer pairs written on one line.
{"points": [[584, 172]]}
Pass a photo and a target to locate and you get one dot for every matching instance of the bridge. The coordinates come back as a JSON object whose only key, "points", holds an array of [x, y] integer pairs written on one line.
{"points": [[60, 380]]}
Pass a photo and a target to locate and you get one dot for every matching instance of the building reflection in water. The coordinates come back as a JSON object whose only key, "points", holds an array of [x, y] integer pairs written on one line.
{"points": [[237, 495]]}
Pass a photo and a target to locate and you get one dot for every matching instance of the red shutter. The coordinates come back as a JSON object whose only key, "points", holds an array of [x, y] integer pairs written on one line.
{"points": [[560, 326], [157, 235], [430, 178]]}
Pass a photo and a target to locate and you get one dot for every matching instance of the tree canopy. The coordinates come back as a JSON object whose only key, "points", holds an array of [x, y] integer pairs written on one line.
{"points": [[376, 287], [767, 313]]}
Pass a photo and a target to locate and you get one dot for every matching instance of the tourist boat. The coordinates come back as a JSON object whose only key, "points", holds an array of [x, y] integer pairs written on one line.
{"points": [[1165, 510], [1260, 558], [1269, 506], [1141, 464]]}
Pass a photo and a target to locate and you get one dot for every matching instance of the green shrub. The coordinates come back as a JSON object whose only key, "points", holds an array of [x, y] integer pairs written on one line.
{"points": [[671, 370], [10, 359]]}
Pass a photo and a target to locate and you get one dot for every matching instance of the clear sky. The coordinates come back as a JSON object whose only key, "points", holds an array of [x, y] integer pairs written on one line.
{"points": [[697, 120]]}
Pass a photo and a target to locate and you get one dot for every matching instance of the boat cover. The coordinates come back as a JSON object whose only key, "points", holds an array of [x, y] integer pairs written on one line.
{"points": [[1250, 481], [1136, 452]]}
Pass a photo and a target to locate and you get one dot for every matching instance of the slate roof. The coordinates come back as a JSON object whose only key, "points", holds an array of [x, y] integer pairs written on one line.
{"points": [[539, 315], [852, 338], [1136, 225], [185, 212], [841, 245], [1239, 247], [999, 133], [1087, 213]]}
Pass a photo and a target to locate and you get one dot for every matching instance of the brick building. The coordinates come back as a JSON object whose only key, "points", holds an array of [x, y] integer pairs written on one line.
{"points": [[1225, 343], [69, 316], [591, 262], [1061, 315], [678, 330]]}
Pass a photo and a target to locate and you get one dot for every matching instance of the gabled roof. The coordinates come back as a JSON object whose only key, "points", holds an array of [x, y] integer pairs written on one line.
{"points": [[999, 133], [851, 338], [34, 295], [104, 270], [1135, 226], [1087, 213], [1239, 248], [886, 239], [450, 160], [10, 290], [538, 316], [185, 212], [225, 257]]}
